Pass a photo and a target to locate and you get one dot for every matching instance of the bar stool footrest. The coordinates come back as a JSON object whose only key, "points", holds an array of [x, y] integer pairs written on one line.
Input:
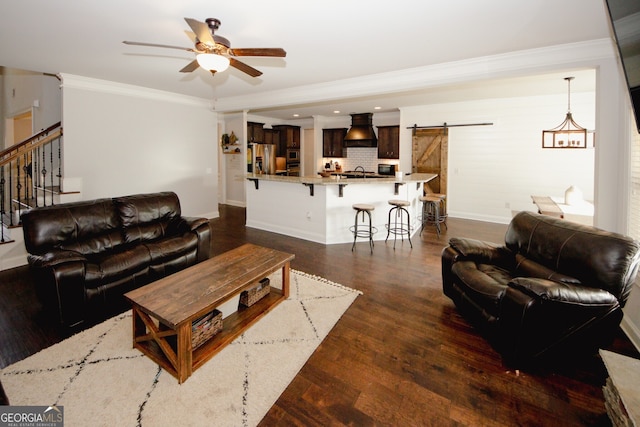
{"points": [[363, 231]]}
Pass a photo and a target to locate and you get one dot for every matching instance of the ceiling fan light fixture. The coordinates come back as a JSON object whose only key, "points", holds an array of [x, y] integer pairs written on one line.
{"points": [[212, 62]]}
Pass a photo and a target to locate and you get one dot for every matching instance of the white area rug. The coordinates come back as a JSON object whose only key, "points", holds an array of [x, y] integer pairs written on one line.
{"points": [[102, 381]]}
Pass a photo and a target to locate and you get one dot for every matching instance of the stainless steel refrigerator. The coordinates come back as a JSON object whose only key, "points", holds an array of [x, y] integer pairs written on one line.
{"points": [[264, 158]]}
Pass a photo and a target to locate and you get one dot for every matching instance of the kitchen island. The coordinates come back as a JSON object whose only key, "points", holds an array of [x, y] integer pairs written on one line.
{"points": [[320, 209]]}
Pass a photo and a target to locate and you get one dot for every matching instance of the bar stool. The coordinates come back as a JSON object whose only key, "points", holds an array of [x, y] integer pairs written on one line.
{"points": [[443, 206], [399, 228], [430, 212], [363, 230]]}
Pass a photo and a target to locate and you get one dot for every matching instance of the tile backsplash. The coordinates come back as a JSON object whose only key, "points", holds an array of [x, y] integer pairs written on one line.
{"points": [[360, 156]]}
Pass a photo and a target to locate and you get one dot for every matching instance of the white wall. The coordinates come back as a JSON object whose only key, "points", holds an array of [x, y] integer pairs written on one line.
{"points": [[22, 89], [234, 167], [121, 140], [235, 164], [495, 169]]}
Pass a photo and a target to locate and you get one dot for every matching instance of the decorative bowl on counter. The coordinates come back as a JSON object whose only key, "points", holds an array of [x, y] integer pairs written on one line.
{"points": [[324, 174]]}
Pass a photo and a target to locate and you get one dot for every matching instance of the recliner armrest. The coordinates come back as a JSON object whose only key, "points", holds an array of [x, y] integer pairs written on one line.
{"points": [[561, 292], [486, 252]]}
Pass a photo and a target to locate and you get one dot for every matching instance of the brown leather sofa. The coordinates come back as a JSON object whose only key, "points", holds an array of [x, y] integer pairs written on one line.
{"points": [[553, 288], [86, 255]]}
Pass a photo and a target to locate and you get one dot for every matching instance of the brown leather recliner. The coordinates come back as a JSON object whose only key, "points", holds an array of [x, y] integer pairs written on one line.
{"points": [[87, 255], [554, 287]]}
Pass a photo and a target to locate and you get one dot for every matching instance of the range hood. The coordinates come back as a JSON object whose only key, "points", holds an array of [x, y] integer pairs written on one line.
{"points": [[361, 133]]}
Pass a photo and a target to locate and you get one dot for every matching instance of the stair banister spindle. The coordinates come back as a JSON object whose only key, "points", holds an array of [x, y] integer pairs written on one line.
{"points": [[36, 176], [59, 164], [10, 198], [2, 206], [51, 169], [18, 187], [25, 169], [44, 176]]}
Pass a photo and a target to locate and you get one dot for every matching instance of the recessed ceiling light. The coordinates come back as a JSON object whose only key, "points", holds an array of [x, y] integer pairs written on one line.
{"points": [[296, 115], [336, 111], [377, 108]]}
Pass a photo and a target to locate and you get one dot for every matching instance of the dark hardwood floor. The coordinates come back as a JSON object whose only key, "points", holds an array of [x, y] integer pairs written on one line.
{"points": [[401, 355]]}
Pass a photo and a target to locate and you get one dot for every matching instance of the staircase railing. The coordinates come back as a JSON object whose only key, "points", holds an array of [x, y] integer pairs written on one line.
{"points": [[30, 175]]}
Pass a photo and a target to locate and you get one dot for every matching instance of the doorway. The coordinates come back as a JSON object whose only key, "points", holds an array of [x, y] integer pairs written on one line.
{"points": [[429, 154], [18, 128]]}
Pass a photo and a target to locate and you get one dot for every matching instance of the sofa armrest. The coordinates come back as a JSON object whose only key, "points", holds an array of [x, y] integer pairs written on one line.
{"points": [[60, 282], [202, 228], [540, 317], [54, 257]]}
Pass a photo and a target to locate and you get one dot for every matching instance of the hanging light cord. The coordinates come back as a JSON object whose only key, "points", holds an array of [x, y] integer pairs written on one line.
{"points": [[568, 79]]}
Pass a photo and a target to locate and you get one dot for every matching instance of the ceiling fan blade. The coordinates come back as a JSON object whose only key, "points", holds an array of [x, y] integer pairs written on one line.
{"points": [[188, 49], [278, 52], [191, 66], [202, 31], [244, 67]]}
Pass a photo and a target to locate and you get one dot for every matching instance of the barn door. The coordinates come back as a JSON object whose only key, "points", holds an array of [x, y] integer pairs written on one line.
{"points": [[429, 155]]}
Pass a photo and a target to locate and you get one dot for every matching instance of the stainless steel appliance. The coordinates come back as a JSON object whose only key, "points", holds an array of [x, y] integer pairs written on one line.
{"points": [[264, 158], [293, 155], [386, 169]]}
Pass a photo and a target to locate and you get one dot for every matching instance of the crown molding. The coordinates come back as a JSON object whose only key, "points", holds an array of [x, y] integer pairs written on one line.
{"points": [[513, 64], [105, 86]]}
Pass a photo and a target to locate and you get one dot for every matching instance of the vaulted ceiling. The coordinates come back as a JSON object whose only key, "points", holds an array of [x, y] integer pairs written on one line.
{"points": [[327, 41]]}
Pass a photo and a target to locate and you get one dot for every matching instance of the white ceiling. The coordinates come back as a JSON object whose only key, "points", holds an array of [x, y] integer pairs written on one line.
{"points": [[325, 41]]}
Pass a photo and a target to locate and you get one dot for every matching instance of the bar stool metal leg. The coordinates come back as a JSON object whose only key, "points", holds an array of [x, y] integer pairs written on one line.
{"points": [[399, 228], [431, 212], [363, 230]]}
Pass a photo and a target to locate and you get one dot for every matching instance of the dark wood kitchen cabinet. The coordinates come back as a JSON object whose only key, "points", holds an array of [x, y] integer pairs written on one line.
{"points": [[255, 132], [332, 141], [289, 138], [388, 142], [289, 134], [271, 136]]}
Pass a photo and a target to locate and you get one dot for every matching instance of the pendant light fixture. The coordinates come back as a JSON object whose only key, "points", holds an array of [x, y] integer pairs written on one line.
{"points": [[568, 134]]}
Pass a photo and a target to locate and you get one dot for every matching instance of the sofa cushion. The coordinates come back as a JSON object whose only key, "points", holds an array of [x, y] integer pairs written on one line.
{"points": [[111, 266], [147, 217], [483, 283], [169, 248], [86, 227]]}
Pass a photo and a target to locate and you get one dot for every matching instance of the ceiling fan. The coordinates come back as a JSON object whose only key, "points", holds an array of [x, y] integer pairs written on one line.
{"points": [[214, 52]]}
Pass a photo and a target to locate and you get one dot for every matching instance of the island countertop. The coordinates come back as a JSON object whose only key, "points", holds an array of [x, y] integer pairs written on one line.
{"points": [[317, 180], [321, 209]]}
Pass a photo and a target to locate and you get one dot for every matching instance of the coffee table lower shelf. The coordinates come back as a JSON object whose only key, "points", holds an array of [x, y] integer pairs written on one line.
{"points": [[165, 346]]}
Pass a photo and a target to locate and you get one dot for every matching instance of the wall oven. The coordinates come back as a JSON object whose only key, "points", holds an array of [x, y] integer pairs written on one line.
{"points": [[293, 155]]}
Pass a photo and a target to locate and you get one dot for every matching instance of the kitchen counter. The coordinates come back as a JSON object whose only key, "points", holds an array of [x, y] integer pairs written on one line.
{"points": [[320, 209], [333, 180]]}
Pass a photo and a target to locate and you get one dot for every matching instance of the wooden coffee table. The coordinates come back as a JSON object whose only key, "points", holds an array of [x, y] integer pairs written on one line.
{"points": [[163, 311]]}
